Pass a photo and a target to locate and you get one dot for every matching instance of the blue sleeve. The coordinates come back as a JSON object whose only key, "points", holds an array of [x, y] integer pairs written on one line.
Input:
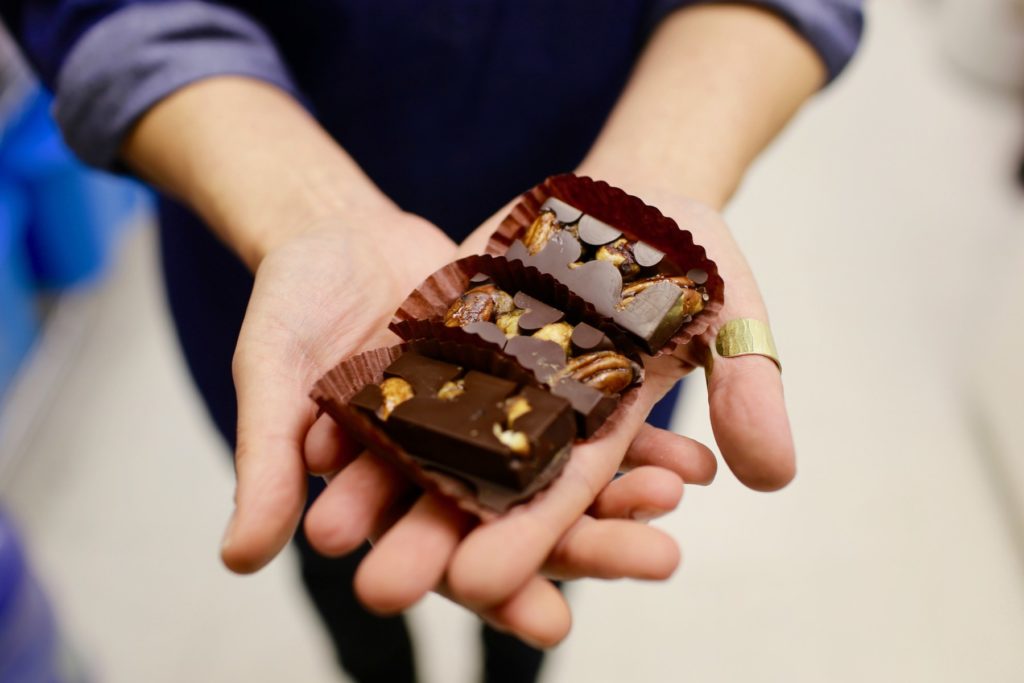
{"points": [[109, 61], [832, 27]]}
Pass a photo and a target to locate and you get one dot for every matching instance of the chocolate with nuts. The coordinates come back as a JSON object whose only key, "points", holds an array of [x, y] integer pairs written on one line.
{"points": [[625, 279], [557, 352], [469, 423]]}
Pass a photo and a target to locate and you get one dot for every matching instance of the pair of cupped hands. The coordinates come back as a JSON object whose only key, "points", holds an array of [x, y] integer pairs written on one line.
{"points": [[328, 293]]}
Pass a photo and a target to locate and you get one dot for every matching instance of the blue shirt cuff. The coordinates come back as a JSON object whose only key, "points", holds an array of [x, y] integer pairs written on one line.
{"points": [[135, 57]]}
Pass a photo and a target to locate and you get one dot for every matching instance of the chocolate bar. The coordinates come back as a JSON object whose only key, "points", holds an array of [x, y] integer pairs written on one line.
{"points": [[469, 423], [579, 362], [624, 278]]}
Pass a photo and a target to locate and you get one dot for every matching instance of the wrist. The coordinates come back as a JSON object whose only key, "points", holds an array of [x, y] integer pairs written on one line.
{"points": [[706, 185]]}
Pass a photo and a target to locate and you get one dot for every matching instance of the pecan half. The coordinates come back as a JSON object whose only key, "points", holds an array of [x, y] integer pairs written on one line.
{"points": [[475, 305], [692, 298], [540, 231], [606, 371], [394, 391], [560, 333], [620, 254]]}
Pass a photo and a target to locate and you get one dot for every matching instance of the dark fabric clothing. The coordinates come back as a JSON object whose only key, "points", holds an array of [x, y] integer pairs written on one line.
{"points": [[452, 107]]}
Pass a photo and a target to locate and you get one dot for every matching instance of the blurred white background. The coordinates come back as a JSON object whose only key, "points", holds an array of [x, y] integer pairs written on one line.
{"points": [[887, 234]]}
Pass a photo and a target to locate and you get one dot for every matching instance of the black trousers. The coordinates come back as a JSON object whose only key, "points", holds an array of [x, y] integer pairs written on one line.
{"points": [[207, 290]]}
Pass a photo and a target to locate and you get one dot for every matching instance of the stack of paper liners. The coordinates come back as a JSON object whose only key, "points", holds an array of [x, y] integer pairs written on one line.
{"points": [[421, 316], [637, 221], [483, 498]]}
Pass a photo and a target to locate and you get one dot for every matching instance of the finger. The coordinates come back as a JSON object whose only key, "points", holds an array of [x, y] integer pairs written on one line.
{"points": [[537, 614], [354, 505], [274, 415], [613, 549], [747, 406], [410, 558], [690, 459], [748, 417], [328, 448], [643, 494], [497, 558]]}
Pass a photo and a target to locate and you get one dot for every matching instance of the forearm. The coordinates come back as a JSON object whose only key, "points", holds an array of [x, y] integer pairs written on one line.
{"points": [[714, 85], [251, 161]]}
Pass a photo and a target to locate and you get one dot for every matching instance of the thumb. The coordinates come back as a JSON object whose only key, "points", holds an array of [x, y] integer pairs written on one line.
{"points": [[274, 416]]}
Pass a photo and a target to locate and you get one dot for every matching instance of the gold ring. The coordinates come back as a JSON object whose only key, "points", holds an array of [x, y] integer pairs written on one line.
{"points": [[745, 337]]}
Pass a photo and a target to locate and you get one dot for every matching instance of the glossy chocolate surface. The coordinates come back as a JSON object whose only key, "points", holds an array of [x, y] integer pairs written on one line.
{"points": [[458, 434]]}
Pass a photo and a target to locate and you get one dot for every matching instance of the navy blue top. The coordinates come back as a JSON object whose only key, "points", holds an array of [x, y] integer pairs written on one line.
{"points": [[451, 106]]}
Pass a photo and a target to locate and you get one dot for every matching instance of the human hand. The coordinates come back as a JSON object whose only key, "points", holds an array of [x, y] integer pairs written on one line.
{"points": [[747, 412], [327, 294], [497, 561]]}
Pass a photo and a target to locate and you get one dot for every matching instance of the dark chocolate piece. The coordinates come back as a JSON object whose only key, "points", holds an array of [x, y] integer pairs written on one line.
{"points": [[538, 314], [539, 356], [563, 212], [426, 375], [586, 338], [488, 332], [591, 407], [698, 276], [494, 429], [653, 315], [595, 232], [646, 255]]}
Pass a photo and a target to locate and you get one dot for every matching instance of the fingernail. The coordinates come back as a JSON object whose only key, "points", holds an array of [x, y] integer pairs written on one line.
{"points": [[226, 540], [645, 514]]}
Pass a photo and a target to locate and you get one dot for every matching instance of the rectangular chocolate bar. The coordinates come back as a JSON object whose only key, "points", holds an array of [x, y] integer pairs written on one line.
{"points": [[469, 423]]}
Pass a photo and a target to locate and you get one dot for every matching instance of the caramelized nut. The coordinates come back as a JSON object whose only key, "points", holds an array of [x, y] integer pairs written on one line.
{"points": [[620, 254], [450, 390], [517, 442], [560, 333], [475, 305], [394, 391], [606, 371], [509, 322], [540, 231], [515, 408], [692, 299]]}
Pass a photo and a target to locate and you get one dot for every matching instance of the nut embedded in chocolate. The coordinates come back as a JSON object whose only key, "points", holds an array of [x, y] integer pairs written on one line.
{"points": [[692, 300], [560, 333], [540, 231], [508, 323], [478, 304], [393, 391], [620, 254], [607, 371], [452, 389]]}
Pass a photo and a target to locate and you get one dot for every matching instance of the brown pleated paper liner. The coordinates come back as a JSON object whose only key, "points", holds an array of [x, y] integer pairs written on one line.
{"points": [[637, 221], [333, 391]]}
